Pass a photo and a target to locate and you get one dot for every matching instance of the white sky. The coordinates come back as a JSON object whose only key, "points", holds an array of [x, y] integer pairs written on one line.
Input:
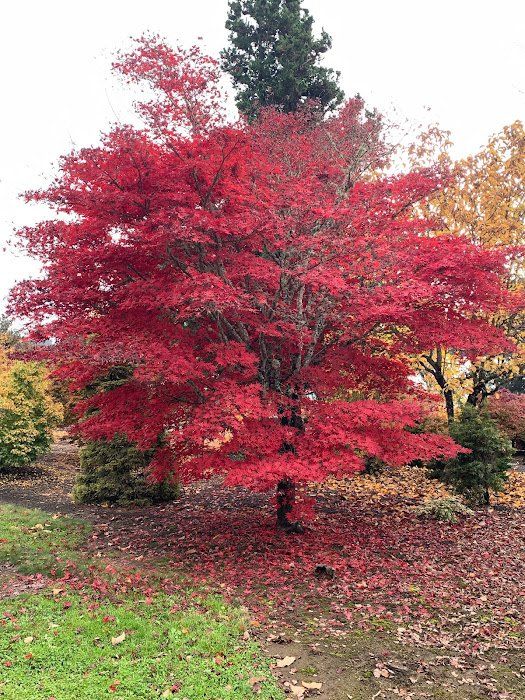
{"points": [[463, 59]]}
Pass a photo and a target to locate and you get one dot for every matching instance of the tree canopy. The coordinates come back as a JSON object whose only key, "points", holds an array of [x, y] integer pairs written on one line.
{"points": [[263, 288]]}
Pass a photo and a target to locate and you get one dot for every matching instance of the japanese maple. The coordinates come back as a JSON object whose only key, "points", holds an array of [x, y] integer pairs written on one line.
{"points": [[260, 284], [508, 410]]}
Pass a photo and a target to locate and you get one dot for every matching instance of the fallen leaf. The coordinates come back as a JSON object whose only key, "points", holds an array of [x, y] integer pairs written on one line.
{"points": [[312, 685], [286, 661], [28, 640], [119, 639]]}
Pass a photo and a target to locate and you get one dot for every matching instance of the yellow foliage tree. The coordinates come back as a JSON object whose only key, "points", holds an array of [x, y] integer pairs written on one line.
{"points": [[485, 201], [27, 411]]}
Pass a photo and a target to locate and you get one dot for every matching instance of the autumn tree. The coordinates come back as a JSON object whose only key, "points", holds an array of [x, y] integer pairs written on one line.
{"points": [[27, 411], [263, 291], [274, 59], [508, 410], [483, 201]]}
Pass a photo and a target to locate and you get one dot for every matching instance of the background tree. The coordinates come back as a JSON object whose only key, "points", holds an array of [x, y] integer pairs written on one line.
{"points": [[274, 57], [27, 411], [484, 201], [9, 336], [253, 279], [508, 410]]}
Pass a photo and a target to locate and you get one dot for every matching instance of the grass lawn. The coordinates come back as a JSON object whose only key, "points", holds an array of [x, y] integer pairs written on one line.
{"points": [[70, 645], [37, 542]]}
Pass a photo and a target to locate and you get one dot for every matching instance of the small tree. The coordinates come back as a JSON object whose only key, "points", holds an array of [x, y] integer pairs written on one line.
{"points": [[508, 410], [484, 467], [113, 469], [274, 58], [114, 472], [27, 411]]}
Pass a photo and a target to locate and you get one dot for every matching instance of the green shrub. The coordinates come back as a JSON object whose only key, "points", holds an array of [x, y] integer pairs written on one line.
{"points": [[443, 509], [114, 472], [485, 467], [373, 466]]}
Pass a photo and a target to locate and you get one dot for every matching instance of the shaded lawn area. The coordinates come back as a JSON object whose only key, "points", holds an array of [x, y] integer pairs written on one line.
{"points": [[38, 542]]}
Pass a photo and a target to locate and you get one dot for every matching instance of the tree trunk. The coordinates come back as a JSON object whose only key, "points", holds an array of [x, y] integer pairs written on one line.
{"points": [[285, 503], [449, 403], [477, 395]]}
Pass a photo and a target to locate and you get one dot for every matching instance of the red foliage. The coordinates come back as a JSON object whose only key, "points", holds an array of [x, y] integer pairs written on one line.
{"points": [[250, 277], [508, 410], [460, 586]]}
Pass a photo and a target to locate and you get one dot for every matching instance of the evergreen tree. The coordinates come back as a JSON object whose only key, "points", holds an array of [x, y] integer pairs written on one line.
{"points": [[113, 471], [274, 58], [484, 468]]}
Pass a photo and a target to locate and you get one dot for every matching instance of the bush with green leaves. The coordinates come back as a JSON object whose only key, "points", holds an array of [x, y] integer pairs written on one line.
{"points": [[115, 472], [446, 510], [484, 468], [28, 411]]}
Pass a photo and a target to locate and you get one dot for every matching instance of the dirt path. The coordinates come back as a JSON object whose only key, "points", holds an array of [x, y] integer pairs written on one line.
{"points": [[47, 484]]}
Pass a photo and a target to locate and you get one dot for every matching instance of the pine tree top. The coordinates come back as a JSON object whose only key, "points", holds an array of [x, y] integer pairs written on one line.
{"points": [[274, 57]]}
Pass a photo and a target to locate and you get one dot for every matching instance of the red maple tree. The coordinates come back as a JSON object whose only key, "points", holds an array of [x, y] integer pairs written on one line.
{"points": [[260, 284], [508, 410]]}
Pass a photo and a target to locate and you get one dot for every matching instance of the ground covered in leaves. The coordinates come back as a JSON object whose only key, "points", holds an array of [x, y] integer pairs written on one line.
{"points": [[371, 601]]}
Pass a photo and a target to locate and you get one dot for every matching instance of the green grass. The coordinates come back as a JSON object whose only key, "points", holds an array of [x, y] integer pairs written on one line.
{"points": [[194, 645], [37, 542], [68, 653]]}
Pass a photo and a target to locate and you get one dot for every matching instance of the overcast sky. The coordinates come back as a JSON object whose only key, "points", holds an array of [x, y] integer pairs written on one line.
{"points": [[458, 62]]}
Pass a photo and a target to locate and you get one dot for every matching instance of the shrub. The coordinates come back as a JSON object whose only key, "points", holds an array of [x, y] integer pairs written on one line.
{"points": [[373, 466], [27, 411], [508, 410], [114, 472], [443, 509], [484, 468]]}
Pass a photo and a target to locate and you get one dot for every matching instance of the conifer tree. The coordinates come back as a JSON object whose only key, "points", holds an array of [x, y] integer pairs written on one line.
{"points": [[274, 57]]}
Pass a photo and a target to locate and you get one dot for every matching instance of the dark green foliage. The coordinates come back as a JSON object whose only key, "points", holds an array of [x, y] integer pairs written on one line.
{"points": [[114, 472], [485, 468], [373, 466], [516, 385], [274, 58]]}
